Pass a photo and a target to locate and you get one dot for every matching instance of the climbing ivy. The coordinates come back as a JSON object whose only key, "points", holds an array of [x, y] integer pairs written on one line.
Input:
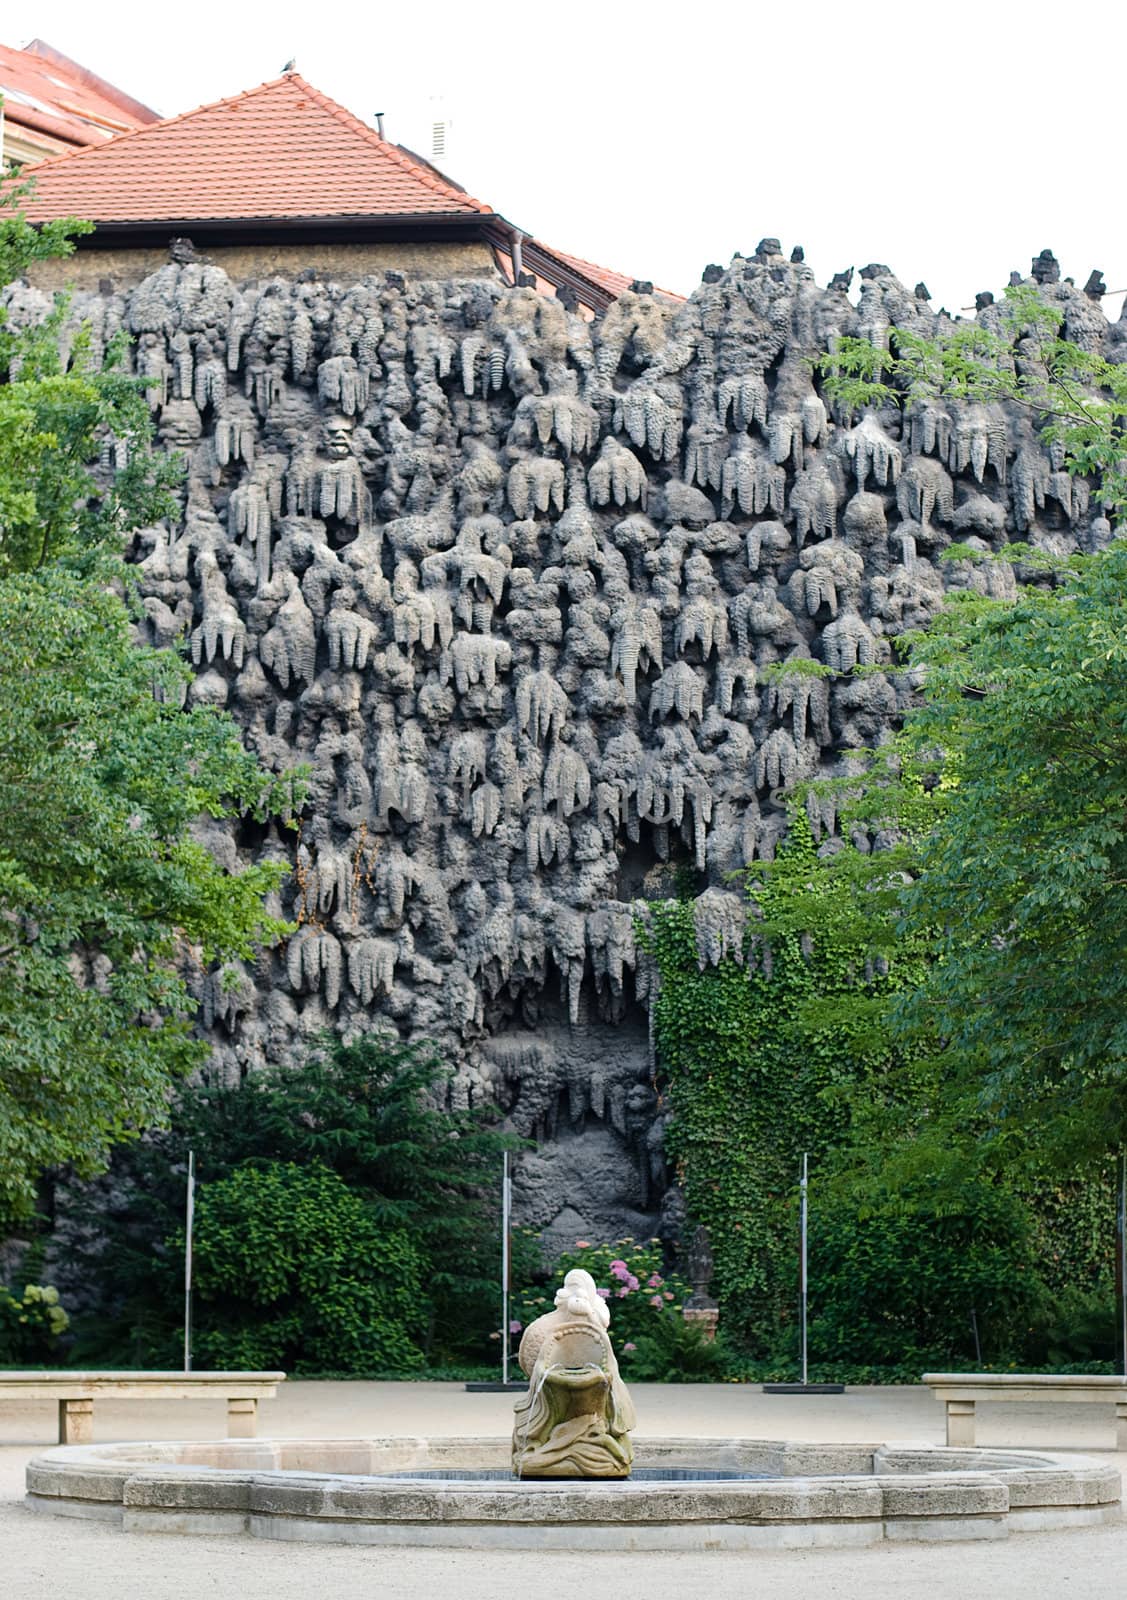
{"points": [[751, 1084]]}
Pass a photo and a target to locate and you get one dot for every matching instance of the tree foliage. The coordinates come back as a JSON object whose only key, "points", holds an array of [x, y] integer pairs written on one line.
{"points": [[924, 1271], [940, 1232], [107, 902], [371, 1111], [1017, 353], [1025, 871], [1005, 793]]}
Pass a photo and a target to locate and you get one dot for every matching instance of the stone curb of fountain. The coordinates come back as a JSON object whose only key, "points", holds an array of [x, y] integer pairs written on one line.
{"points": [[331, 1491]]}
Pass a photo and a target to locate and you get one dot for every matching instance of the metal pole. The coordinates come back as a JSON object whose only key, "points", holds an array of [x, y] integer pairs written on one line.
{"points": [[506, 1262], [1121, 1262], [802, 1268], [189, 1220]]}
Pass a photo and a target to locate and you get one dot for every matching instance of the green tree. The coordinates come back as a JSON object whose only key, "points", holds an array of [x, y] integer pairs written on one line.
{"points": [[372, 1110], [1025, 872], [1019, 354], [935, 1003], [923, 1269], [993, 831], [107, 901]]}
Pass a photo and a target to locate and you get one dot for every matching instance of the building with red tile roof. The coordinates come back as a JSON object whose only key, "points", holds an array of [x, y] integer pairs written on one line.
{"points": [[280, 154], [53, 104], [284, 168]]}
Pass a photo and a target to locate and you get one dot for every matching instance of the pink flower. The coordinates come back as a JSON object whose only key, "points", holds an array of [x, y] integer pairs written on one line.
{"points": [[582, 1244], [603, 1294], [668, 1296], [653, 1282], [515, 1327], [620, 1294], [631, 1282], [629, 1347], [658, 1302], [620, 1269]]}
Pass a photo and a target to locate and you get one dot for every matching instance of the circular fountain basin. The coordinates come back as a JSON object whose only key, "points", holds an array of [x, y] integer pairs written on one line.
{"points": [[686, 1494]]}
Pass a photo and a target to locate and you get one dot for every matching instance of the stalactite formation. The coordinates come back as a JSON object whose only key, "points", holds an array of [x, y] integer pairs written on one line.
{"points": [[508, 582]]}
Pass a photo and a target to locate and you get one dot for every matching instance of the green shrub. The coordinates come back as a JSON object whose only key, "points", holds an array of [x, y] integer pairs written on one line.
{"points": [[293, 1271], [30, 1324], [672, 1350], [901, 1276], [371, 1112], [1079, 1326]]}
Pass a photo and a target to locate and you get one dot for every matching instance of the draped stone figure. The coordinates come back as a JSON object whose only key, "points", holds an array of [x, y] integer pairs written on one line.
{"points": [[576, 1418]]}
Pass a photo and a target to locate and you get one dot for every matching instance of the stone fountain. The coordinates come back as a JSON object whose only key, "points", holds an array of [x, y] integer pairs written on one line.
{"points": [[568, 1480], [683, 1494]]}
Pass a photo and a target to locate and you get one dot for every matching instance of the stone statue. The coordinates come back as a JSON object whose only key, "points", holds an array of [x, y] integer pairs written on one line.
{"points": [[700, 1308], [575, 1420]]}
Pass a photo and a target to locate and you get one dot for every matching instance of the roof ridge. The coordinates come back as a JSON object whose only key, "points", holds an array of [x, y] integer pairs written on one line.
{"points": [[341, 114], [387, 147], [152, 127]]}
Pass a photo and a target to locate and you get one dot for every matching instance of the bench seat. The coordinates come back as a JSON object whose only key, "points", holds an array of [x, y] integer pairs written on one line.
{"points": [[962, 1390], [76, 1393]]}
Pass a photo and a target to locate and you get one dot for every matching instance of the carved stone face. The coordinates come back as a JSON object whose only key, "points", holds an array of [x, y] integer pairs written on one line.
{"points": [[180, 426], [337, 437]]}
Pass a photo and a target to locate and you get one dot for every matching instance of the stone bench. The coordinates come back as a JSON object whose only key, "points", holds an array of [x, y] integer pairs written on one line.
{"points": [[961, 1391], [76, 1391]]}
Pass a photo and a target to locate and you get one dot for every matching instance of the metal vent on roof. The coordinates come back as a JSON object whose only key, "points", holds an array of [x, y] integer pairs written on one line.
{"points": [[438, 132]]}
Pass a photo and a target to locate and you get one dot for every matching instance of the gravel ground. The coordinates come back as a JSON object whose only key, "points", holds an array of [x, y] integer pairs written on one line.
{"points": [[48, 1555]]}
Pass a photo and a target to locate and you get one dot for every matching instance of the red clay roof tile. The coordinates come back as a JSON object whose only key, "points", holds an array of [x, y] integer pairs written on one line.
{"points": [[615, 283], [282, 150], [52, 95]]}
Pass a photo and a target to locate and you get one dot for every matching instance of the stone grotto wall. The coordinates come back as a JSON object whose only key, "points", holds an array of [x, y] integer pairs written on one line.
{"points": [[507, 581]]}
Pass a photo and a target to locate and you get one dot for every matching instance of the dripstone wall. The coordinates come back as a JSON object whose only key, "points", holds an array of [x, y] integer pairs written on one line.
{"points": [[507, 581]]}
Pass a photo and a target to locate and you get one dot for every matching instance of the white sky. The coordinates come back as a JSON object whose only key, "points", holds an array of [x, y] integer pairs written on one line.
{"points": [[952, 141]]}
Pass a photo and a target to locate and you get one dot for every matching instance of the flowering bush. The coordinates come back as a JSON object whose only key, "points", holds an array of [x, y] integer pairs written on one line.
{"points": [[31, 1323], [629, 1277]]}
